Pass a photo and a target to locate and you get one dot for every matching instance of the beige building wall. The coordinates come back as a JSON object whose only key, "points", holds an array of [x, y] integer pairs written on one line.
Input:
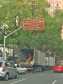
{"points": [[62, 32], [62, 4]]}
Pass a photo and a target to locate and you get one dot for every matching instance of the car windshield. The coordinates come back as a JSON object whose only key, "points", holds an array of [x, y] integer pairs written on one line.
{"points": [[58, 65], [18, 66]]}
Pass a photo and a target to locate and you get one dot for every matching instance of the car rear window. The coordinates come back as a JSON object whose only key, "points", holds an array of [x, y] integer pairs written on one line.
{"points": [[9, 64], [0, 64], [57, 65]]}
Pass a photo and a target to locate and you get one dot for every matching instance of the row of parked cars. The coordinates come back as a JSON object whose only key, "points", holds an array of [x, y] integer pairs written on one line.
{"points": [[10, 70]]}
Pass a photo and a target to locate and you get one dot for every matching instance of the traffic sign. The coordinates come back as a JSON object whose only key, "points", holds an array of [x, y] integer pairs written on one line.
{"points": [[33, 24]]}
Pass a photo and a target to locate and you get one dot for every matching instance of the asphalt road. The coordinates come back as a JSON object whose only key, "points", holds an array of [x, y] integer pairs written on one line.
{"points": [[46, 77]]}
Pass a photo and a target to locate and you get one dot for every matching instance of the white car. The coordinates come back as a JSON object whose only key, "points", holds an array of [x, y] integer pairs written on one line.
{"points": [[21, 69], [8, 70]]}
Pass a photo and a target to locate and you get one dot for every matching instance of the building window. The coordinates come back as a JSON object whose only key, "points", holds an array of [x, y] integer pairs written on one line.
{"points": [[57, 5], [52, 4], [51, 9]]}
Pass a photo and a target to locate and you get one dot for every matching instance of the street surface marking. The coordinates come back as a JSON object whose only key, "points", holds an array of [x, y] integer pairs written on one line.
{"points": [[18, 81], [54, 82]]}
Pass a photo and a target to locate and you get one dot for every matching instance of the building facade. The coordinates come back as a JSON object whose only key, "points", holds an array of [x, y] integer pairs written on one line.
{"points": [[55, 4]]}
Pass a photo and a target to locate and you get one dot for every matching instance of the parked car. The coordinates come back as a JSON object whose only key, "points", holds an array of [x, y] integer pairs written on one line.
{"points": [[58, 68], [8, 70], [20, 68]]}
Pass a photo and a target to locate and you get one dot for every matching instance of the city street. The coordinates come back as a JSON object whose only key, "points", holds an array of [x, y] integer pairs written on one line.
{"points": [[31, 41], [46, 77]]}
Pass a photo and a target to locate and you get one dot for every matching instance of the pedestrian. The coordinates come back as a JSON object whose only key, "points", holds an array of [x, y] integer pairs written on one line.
{"points": [[29, 59]]}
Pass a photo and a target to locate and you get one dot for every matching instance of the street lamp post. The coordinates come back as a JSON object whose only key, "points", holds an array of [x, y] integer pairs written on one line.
{"points": [[4, 47], [8, 36]]}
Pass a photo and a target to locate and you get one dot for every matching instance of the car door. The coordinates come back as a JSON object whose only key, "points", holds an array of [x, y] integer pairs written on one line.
{"points": [[8, 68], [22, 69], [19, 68], [14, 70], [11, 69]]}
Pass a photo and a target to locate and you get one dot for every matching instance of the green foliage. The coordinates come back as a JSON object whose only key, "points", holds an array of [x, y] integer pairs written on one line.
{"points": [[31, 9]]}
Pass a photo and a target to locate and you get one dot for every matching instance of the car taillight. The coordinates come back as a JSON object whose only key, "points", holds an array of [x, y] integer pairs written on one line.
{"points": [[3, 68]]}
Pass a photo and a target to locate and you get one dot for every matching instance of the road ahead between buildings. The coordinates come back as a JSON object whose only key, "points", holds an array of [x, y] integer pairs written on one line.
{"points": [[46, 77]]}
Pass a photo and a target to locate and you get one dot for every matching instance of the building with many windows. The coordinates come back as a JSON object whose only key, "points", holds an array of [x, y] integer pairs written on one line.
{"points": [[55, 4]]}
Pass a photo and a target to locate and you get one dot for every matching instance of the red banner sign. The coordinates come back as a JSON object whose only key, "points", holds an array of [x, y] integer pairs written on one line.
{"points": [[33, 24]]}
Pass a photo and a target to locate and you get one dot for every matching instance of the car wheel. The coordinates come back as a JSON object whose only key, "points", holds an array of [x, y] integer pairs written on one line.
{"points": [[40, 69], [25, 71], [17, 75], [6, 77]]}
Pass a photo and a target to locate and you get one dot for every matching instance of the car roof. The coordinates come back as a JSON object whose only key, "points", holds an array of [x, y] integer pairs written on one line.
{"points": [[6, 61]]}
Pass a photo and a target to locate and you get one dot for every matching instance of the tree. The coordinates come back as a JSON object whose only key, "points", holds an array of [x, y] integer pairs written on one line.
{"points": [[13, 12], [9, 11]]}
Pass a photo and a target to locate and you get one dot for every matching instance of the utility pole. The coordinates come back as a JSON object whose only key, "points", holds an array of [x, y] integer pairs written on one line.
{"points": [[8, 36], [33, 8]]}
